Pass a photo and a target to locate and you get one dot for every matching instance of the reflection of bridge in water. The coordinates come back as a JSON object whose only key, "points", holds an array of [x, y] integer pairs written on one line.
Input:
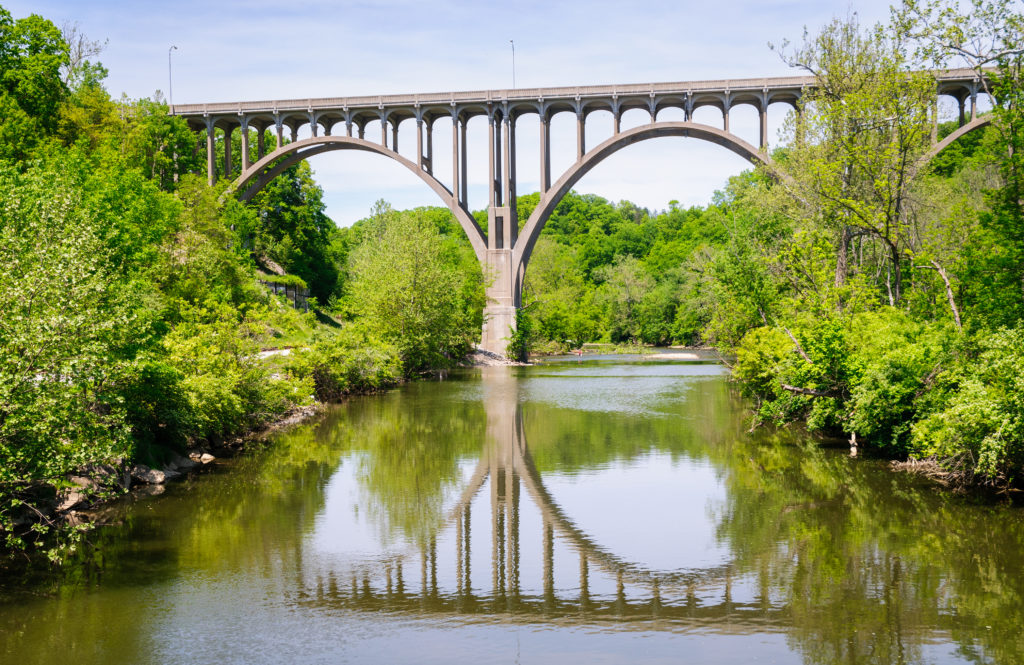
{"points": [[409, 583]]}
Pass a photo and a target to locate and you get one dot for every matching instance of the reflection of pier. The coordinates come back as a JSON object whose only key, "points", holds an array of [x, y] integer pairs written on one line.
{"points": [[507, 468]]}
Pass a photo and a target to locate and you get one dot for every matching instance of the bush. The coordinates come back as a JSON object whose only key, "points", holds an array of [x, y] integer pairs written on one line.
{"points": [[348, 362], [227, 387], [900, 359], [868, 374], [979, 427], [519, 343]]}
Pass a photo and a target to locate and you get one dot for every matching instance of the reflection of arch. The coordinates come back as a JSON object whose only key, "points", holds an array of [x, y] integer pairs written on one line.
{"points": [[609, 562], [391, 583], [261, 173], [506, 460], [978, 123], [550, 199]]}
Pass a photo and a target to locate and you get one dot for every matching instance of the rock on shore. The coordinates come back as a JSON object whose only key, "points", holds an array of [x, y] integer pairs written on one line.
{"points": [[482, 358]]}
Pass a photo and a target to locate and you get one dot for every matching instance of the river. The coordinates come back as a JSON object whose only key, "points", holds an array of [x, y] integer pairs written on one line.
{"points": [[605, 510]]}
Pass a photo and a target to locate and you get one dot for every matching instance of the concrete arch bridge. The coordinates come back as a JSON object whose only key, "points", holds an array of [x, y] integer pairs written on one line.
{"points": [[501, 247]]}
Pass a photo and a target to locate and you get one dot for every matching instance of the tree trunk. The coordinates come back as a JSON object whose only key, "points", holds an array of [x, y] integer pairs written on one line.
{"points": [[897, 276], [843, 256], [949, 294], [888, 283]]}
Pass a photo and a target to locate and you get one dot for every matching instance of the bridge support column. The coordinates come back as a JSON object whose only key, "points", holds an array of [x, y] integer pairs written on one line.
{"points": [[764, 129], [493, 173], [511, 227], [464, 163], [419, 143], [244, 129], [502, 296], [261, 141], [430, 147], [455, 159], [227, 152], [545, 153], [581, 135], [394, 135], [279, 136], [211, 158]]}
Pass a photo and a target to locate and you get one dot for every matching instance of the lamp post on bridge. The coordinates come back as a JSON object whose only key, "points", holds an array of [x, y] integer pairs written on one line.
{"points": [[512, 42], [170, 80]]}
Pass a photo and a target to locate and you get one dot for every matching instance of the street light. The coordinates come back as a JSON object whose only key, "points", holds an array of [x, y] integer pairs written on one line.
{"points": [[513, 63], [170, 81]]}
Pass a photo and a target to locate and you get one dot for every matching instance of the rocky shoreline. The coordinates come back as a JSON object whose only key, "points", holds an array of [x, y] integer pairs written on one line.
{"points": [[95, 486], [481, 358]]}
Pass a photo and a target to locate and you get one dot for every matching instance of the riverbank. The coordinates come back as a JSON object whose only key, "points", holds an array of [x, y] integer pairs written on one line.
{"points": [[88, 491], [94, 487]]}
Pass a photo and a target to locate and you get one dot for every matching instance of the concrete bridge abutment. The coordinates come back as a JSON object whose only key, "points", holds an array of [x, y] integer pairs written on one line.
{"points": [[503, 301]]}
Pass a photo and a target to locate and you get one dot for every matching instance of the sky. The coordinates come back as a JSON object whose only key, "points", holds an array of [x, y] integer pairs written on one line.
{"points": [[254, 50]]}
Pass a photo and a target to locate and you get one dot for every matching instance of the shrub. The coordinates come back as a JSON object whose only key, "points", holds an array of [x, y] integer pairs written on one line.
{"points": [[226, 386], [348, 362], [979, 427]]}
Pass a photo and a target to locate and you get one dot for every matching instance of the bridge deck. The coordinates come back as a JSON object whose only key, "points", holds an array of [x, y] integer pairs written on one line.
{"points": [[787, 84]]}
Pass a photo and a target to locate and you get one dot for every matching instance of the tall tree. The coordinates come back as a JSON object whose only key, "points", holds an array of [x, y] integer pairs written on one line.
{"points": [[988, 37], [408, 291], [32, 55], [858, 137]]}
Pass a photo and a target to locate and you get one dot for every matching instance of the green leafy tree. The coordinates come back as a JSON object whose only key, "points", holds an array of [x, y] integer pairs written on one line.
{"points": [[67, 339], [858, 137], [32, 53], [403, 287], [295, 232]]}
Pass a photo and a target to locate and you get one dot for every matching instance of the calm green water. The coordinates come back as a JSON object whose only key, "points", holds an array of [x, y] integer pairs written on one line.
{"points": [[607, 511]]}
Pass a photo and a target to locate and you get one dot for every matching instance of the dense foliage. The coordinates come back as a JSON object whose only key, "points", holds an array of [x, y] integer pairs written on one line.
{"points": [[889, 307], [133, 317]]}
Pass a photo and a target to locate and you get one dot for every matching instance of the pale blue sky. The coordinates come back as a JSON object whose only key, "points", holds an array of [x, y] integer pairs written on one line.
{"points": [[263, 50]]}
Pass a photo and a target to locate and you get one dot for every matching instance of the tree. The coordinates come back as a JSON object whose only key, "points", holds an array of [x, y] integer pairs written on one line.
{"points": [[295, 231], [67, 338], [988, 38], [625, 286], [32, 54], [857, 139], [79, 71], [404, 286]]}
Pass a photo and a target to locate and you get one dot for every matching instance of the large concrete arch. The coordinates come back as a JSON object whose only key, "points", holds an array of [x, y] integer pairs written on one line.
{"points": [[978, 123], [257, 176], [550, 199]]}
